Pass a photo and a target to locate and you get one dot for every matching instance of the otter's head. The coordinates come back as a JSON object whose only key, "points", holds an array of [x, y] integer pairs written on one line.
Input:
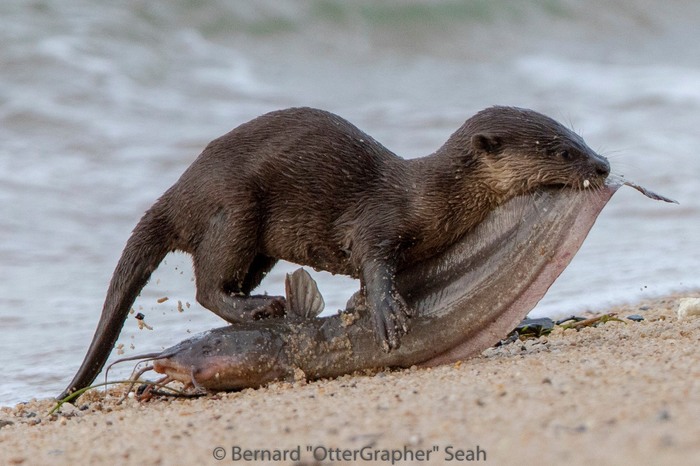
{"points": [[520, 150]]}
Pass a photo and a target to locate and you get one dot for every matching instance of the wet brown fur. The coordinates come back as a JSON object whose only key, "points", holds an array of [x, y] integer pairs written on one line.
{"points": [[307, 186]]}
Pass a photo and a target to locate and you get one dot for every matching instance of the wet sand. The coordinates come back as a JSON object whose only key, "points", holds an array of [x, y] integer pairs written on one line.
{"points": [[619, 393]]}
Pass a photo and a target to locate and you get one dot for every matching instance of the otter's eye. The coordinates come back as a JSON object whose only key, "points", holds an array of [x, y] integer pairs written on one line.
{"points": [[566, 155]]}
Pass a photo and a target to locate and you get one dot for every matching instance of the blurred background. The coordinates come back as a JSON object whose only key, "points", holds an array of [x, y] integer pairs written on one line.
{"points": [[104, 104]]}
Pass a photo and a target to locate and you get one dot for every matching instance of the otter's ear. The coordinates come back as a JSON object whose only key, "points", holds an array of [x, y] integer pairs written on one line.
{"points": [[486, 143]]}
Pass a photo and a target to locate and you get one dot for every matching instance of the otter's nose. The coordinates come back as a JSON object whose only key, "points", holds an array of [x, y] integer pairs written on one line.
{"points": [[601, 166]]}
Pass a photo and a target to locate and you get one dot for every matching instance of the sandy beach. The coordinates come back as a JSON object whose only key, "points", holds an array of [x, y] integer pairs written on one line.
{"points": [[618, 393]]}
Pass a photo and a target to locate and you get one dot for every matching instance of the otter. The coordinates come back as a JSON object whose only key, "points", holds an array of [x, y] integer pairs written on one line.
{"points": [[307, 186]]}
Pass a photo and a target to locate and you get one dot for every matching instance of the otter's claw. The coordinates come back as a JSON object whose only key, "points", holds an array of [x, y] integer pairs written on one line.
{"points": [[391, 322]]}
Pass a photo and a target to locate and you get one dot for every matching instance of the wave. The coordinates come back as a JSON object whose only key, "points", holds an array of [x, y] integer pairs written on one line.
{"points": [[265, 18]]}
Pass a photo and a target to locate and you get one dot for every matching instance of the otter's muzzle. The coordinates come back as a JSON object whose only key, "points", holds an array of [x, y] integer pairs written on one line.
{"points": [[600, 167]]}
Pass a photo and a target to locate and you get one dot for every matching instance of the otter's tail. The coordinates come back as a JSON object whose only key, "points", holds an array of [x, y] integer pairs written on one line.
{"points": [[150, 241]]}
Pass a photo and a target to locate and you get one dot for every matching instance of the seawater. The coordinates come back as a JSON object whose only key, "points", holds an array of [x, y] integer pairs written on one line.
{"points": [[104, 104]]}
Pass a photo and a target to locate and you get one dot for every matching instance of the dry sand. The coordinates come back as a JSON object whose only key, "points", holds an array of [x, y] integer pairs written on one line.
{"points": [[615, 394]]}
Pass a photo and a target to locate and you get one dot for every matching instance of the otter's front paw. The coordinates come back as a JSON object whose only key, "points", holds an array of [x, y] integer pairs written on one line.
{"points": [[391, 320]]}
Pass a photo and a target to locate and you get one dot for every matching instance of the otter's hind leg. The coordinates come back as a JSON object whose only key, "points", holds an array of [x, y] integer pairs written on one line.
{"points": [[227, 267], [259, 306]]}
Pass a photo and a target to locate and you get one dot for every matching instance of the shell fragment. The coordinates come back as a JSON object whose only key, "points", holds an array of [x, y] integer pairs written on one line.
{"points": [[689, 307]]}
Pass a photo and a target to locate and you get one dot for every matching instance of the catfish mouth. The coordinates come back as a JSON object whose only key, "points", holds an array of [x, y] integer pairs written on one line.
{"points": [[175, 371]]}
